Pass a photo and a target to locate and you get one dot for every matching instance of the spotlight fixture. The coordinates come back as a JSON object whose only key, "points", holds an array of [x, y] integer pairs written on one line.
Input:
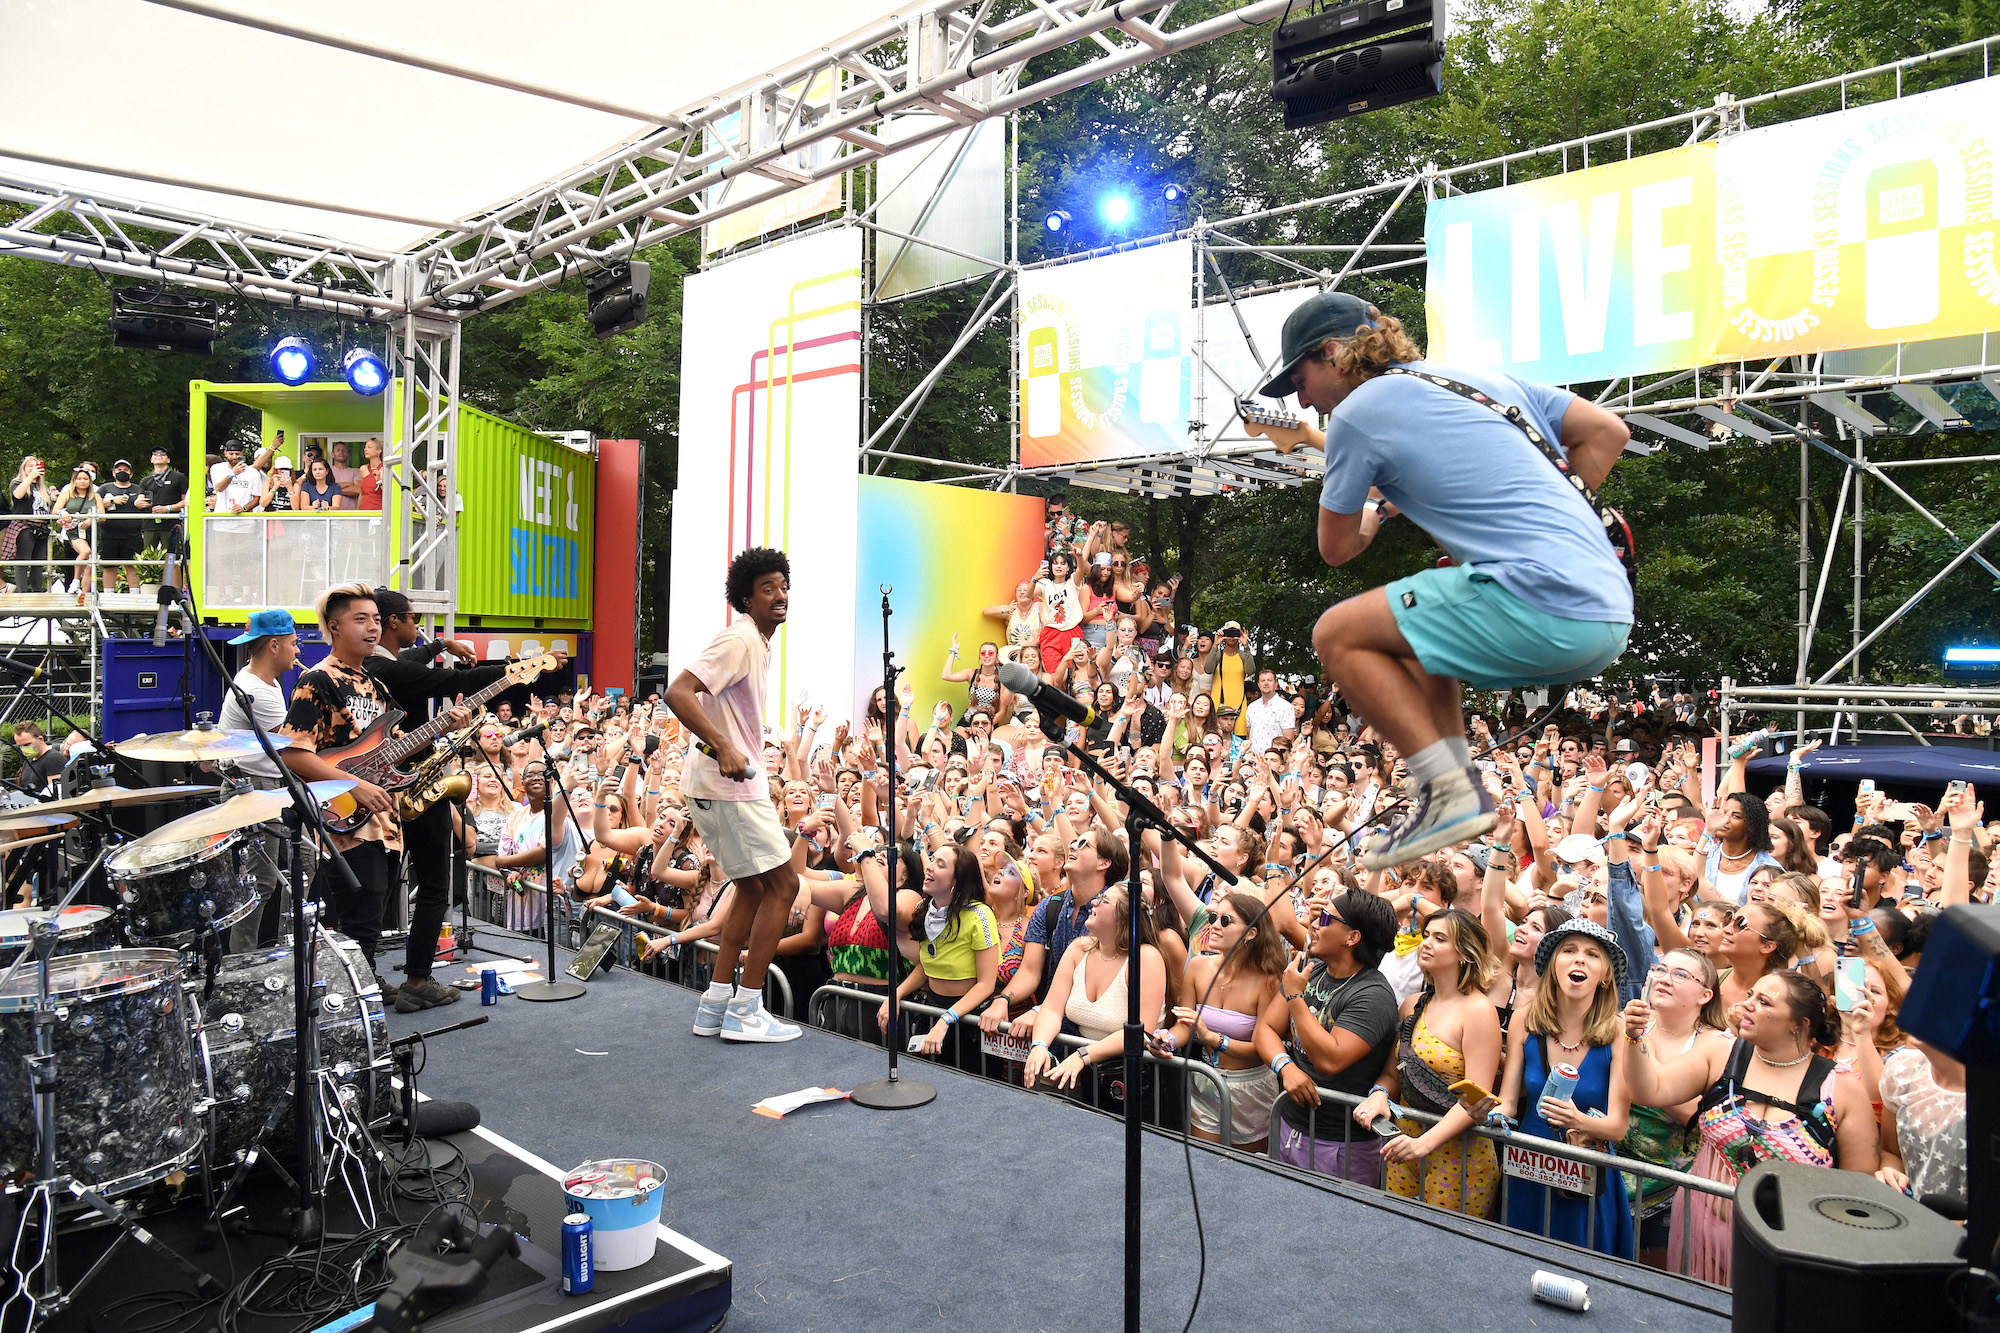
{"points": [[365, 373], [1115, 209], [1357, 57], [163, 321], [292, 361], [1058, 221], [1174, 193], [617, 297], [1971, 662]]}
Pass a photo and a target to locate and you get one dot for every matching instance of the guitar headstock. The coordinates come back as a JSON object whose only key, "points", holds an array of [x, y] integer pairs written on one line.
{"points": [[525, 670], [1254, 415]]}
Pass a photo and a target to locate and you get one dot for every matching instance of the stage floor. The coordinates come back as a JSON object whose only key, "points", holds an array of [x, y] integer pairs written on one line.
{"points": [[990, 1208]]}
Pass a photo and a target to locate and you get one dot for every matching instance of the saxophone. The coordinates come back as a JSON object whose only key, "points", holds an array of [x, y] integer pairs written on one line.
{"points": [[433, 783]]}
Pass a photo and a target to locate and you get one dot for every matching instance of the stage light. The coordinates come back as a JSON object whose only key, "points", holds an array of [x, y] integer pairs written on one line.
{"points": [[1971, 662], [1362, 56], [1058, 221], [163, 321], [1174, 193], [292, 361], [1116, 210], [617, 297], [365, 373]]}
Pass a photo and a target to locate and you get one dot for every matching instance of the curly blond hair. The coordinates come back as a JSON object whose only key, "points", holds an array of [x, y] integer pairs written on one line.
{"points": [[1371, 350]]}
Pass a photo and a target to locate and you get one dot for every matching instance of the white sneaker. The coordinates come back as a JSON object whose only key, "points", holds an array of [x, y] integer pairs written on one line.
{"points": [[1446, 811], [753, 1022], [708, 1016]]}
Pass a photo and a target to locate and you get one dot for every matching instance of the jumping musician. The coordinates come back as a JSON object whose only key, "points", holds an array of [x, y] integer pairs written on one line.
{"points": [[1534, 593], [720, 699]]}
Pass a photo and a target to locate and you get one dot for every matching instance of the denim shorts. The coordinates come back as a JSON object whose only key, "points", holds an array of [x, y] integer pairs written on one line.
{"points": [[1463, 624]]}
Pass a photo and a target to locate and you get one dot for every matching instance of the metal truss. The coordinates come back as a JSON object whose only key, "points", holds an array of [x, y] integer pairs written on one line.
{"points": [[426, 360], [1849, 704], [121, 238]]}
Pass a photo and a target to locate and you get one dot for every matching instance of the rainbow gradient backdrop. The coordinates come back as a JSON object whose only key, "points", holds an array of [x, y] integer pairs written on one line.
{"points": [[947, 552]]}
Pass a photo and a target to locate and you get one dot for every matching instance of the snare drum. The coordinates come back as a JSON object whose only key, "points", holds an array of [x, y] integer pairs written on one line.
{"points": [[246, 1038], [165, 886], [126, 1112], [82, 930]]}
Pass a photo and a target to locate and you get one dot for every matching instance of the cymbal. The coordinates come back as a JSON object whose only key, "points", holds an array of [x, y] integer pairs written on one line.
{"points": [[102, 796], [27, 821], [6, 847], [328, 788], [186, 747], [252, 807]]}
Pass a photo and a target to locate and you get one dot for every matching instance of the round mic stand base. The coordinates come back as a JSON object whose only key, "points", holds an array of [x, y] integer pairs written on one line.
{"points": [[544, 992], [893, 1094]]}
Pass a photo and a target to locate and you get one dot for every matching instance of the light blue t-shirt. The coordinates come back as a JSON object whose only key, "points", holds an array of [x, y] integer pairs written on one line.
{"points": [[1470, 478]]}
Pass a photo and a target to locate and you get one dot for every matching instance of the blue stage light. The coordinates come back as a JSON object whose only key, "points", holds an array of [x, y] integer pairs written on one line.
{"points": [[1057, 221], [1972, 656], [1116, 210], [292, 361], [365, 373], [1174, 193]]}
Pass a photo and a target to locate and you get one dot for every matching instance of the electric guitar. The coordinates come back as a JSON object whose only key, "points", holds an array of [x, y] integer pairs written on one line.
{"points": [[1254, 415], [376, 756]]}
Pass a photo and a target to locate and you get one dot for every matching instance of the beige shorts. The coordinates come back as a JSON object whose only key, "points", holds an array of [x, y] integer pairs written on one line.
{"points": [[1251, 1092], [744, 837]]}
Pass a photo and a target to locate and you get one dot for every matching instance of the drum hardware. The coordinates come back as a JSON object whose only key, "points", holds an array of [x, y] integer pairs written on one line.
{"points": [[37, 1278]]}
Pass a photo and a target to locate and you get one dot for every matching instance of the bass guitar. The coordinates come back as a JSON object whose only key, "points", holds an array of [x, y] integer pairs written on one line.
{"points": [[377, 756]]}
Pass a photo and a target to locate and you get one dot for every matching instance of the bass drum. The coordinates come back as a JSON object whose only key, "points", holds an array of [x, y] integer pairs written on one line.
{"points": [[246, 1040], [126, 1113]]}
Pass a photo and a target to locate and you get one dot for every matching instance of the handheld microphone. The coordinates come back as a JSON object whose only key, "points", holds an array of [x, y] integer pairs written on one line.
{"points": [[527, 733], [1046, 699]]}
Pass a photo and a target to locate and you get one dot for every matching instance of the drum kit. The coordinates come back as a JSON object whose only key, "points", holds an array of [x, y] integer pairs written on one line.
{"points": [[134, 1048]]}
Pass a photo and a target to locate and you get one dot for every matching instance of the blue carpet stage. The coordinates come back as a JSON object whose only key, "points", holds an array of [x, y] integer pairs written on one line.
{"points": [[991, 1208]]}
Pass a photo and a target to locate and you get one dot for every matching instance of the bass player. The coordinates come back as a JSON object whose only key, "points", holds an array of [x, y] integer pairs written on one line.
{"points": [[402, 660], [331, 707]]}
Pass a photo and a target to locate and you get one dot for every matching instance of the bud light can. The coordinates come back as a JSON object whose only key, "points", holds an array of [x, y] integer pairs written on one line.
{"points": [[489, 985], [577, 1266], [1560, 1085]]}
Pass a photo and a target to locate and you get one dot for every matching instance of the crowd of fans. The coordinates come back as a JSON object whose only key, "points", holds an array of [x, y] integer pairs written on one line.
{"points": [[58, 528], [1622, 964]]}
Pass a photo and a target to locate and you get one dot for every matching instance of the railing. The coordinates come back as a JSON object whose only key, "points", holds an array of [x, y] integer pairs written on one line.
{"points": [[693, 965], [59, 563], [256, 560], [1664, 1186], [1001, 1059]]}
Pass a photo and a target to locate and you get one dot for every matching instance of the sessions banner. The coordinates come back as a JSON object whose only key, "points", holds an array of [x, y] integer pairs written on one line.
{"points": [[1862, 228], [769, 444], [948, 553], [1104, 370]]}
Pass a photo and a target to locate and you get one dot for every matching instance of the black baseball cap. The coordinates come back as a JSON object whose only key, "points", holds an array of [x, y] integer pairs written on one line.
{"points": [[160, 451], [1311, 323]]}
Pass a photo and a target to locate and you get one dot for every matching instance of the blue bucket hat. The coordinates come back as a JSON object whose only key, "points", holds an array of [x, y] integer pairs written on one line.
{"points": [[1311, 323], [265, 624]]}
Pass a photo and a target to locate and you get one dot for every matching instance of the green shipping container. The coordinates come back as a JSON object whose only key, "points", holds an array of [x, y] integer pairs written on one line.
{"points": [[527, 508]]}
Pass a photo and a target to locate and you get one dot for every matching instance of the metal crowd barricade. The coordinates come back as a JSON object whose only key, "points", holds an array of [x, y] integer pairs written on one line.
{"points": [[1340, 1105], [848, 1010], [490, 900]]}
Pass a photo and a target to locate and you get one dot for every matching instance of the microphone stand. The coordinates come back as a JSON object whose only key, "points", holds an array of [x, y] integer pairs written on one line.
{"points": [[309, 1207], [553, 989], [1140, 814], [894, 1093]]}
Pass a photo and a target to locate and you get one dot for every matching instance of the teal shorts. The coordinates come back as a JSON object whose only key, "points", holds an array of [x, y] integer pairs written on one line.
{"points": [[1463, 624]]}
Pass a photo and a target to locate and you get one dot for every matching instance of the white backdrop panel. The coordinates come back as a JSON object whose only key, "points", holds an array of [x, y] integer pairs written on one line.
{"points": [[769, 446]]}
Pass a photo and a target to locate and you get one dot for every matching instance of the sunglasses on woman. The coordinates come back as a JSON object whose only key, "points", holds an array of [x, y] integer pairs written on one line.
{"points": [[1222, 921], [1743, 923]]}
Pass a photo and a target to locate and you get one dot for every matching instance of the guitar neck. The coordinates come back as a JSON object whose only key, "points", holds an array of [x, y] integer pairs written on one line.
{"points": [[412, 741]]}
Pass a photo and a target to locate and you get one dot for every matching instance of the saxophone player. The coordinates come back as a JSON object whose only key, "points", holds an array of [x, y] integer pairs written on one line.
{"points": [[403, 663]]}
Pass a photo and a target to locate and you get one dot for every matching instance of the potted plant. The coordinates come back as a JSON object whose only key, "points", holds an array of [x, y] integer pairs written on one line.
{"points": [[150, 560]]}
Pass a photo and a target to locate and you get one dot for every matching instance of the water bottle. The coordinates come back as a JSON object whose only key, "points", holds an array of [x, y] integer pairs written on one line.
{"points": [[1560, 1086]]}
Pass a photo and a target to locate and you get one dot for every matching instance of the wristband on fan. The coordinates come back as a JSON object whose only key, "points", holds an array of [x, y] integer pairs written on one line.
{"points": [[1861, 925], [1278, 1063]]}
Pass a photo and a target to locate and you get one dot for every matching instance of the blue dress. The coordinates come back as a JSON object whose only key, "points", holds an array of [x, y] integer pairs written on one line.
{"points": [[1568, 1216]]}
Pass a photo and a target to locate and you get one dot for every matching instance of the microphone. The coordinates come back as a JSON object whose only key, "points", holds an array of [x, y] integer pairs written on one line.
{"points": [[527, 733], [1046, 699], [21, 671], [169, 594]]}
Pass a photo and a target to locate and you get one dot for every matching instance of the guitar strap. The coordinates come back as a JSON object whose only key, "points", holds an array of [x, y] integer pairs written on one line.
{"points": [[1614, 522]]}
